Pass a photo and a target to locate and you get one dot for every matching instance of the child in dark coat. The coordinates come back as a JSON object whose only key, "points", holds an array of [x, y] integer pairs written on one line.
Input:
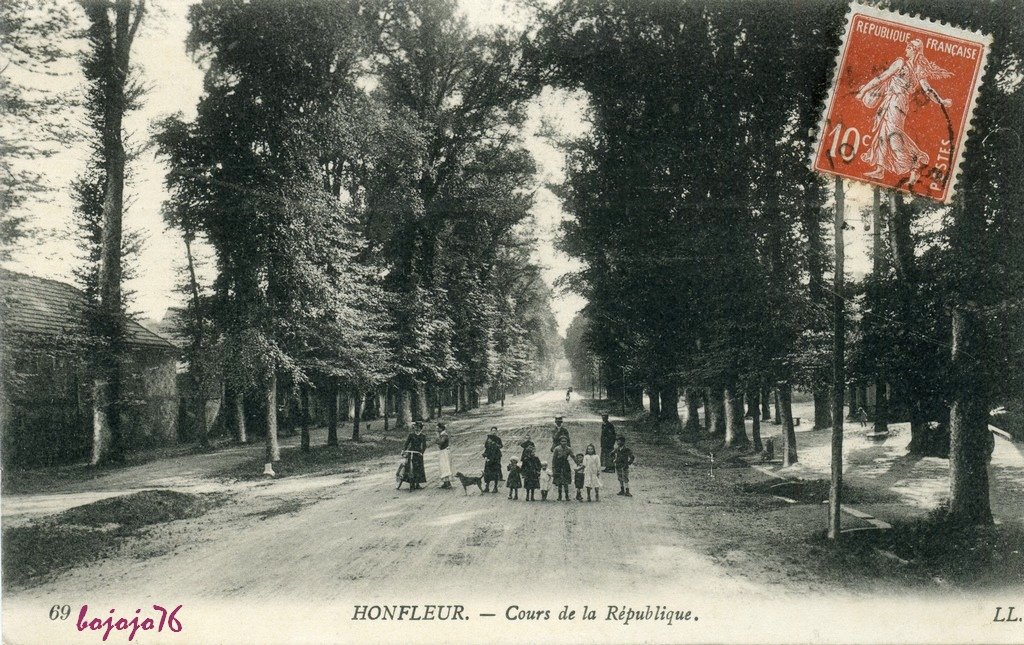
{"points": [[623, 458], [531, 475], [515, 481], [578, 476]]}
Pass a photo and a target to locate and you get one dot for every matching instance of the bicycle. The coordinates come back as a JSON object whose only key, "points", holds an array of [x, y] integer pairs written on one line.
{"points": [[404, 467]]}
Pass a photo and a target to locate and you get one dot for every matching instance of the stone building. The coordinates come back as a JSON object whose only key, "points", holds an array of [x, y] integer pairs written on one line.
{"points": [[45, 401]]}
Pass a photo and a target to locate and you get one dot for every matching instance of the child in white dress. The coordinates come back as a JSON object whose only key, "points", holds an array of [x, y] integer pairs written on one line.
{"points": [[592, 473], [545, 482]]}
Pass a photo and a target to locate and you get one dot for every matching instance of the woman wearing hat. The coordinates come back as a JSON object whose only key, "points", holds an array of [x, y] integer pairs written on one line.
{"points": [[492, 460], [414, 447], [444, 455]]}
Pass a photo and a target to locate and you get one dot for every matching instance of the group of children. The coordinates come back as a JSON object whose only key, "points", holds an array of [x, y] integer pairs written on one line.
{"points": [[583, 470]]}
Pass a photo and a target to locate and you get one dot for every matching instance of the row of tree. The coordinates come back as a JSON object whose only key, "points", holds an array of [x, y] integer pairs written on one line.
{"points": [[701, 229], [358, 170]]}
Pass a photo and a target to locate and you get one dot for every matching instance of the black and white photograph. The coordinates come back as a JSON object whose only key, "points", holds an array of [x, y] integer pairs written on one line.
{"points": [[511, 321]]}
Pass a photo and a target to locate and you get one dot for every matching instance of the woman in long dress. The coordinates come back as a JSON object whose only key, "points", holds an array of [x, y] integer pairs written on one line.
{"points": [[414, 447], [492, 461], [444, 456], [891, 148]]}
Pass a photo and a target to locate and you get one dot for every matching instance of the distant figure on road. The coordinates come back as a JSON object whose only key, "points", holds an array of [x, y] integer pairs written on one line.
{"points": [[492, 461], [624, 458], [607, 443], [413, 450], [444, 455], [558, 433], [568, 394], [862, 416]]}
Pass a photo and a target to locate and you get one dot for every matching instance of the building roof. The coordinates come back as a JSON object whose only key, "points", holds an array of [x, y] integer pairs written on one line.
{"points": [[169, 326], [47, 307]]}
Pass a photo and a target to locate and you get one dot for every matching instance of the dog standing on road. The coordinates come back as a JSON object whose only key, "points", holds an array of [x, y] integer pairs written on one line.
{"points": [[470, 481]]}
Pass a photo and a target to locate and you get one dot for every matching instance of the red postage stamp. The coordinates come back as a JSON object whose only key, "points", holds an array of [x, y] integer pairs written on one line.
{"points": [[899, 109]]}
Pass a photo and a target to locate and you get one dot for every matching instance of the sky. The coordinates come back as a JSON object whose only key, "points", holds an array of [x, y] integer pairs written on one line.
{"points": [[175, 84]]}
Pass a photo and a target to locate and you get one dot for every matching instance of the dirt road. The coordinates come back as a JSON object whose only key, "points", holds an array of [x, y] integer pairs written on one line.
{"points": [[288, 559], [354, 534]]}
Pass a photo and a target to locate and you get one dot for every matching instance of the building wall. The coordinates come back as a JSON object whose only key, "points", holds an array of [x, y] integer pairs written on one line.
{"points": [[48, 408], [150, 417]]}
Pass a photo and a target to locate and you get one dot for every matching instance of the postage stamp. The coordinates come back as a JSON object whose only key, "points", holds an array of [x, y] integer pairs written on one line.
{"points": [[899, 109]]}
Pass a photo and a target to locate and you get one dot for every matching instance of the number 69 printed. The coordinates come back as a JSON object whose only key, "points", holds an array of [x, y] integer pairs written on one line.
{"points": [[60, 612]]}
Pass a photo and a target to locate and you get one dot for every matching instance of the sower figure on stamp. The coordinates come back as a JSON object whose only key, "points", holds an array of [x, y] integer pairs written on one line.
{"points": [[492, 461], [607, 443], [444, 455], [414, 447], [892, 148]]}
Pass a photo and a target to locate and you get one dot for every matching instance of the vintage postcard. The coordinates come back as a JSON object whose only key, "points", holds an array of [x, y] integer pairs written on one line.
{"points": [[525, 321]]}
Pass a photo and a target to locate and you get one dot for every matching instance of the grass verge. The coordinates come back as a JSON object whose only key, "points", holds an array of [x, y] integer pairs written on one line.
{"points": [[318, 460], [91, 531]]}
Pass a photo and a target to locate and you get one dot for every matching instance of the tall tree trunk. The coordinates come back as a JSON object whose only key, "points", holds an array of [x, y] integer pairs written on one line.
{"points": [[304, 416], [716, 405], [655, 397], [835, 495], [332, 412], [755, 421], [420, 411], [788, 432], [777, 420], [670, 404], [198, 349], [881, 411], [822, 407], [240, 433], [971, 442], [853, 401], [357, 418], [273, 447], [692, 429], [881, 424], [101, 410], [706, 401], [113, 44], [753, 409], [766, 405], [403, 415], [811, 221], [463, 397], [735, 428]]}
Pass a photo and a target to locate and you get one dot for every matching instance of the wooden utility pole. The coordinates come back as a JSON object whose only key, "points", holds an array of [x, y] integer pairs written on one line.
{"points": [[835, 494], [881, 407]]}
